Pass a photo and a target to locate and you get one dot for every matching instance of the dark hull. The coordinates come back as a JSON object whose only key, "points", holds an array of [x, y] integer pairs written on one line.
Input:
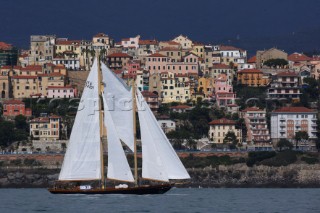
{"points": [[139, 190]]}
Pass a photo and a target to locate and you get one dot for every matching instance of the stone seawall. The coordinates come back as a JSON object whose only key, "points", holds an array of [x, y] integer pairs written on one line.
{"points": [[238, 175]]}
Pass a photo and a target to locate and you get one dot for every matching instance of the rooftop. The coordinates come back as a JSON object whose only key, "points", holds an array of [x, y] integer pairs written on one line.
{"points": [[250, 71], [222, 121], [293, 110]]}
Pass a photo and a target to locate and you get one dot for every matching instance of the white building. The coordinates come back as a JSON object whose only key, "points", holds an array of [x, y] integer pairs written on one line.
{"points": [[61, 92], [232, 54], [286, 121], [184, 41], [69, 63], [167, 125], [130, 42], [45, 128], [285, 85], [220, 128]]}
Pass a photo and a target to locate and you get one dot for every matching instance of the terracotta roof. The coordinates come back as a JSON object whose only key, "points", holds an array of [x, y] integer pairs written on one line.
{"points": [[125, 39], [60, 87], [23, 55], [230, 48], [54, 74], [287, 73], [149, 94], [250, 71], [220, 66], [13, 102], [169, 49], [222, 121], [32, 68], [40, 120], [118, 71], [156, 55], [252, 60], [24, 77], [113, 55], [101, 35], [5, 46], [298, 57], [163, 117], [171, 42], [294, 110], [68, 42], [148, 42], [252, 109], [181, 107], [9, 67], [54, 116]]}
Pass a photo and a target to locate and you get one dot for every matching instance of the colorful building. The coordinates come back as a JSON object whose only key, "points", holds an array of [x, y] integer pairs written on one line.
{"points": [[287, 121], [220, 128]]}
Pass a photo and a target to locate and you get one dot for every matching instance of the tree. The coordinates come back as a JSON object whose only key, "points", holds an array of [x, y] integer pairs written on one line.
{"points": [[63, 147], [284, 144], [299, 136], [6, 133], [191, 144], [21, 122], [231, 139], [278, 62]]}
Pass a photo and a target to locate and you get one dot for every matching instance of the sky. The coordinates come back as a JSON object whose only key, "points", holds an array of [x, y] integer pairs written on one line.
{"points": [[251, 24]]}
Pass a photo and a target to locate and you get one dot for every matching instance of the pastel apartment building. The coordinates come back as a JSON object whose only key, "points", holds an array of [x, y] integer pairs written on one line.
{"points": [[230, 54], [118, 61], [220, 128], [12, 108], [252, 78], [257, 130], [152, 100], [224, 92], [61, 92], [45, 128], [184, 41], [285, 85], [286, 121]]}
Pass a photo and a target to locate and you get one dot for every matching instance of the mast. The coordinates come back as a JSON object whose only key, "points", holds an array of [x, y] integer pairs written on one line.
{"points": [[134, 132], [100, 89]]}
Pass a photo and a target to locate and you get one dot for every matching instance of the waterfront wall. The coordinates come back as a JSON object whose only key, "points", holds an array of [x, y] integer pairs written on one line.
{"points": [[238, 175]]}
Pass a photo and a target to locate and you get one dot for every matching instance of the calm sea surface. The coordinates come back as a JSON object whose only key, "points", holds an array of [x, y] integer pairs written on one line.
{"points": [[176, 200]]}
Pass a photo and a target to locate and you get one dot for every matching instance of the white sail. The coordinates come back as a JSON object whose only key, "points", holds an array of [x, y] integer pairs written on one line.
{"points": [[119, 100], [159, 160], [82, 159], [118, 167]]}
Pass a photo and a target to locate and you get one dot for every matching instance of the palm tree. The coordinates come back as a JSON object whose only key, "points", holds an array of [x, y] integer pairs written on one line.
{"points": [[299, 136]]}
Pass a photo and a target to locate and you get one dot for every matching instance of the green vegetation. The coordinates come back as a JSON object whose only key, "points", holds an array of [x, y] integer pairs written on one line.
{"points": [[284, 144], [310, 160], [278, 62], [281, 159], [299, 136], [201, 162], [256, 157]]}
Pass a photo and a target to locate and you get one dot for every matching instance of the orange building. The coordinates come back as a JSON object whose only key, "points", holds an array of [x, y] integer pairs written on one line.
{"points": [[12, 108], [253, 78]]}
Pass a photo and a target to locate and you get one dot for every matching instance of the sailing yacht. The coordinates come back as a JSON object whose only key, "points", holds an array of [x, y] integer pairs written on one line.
{"points": [[107, 109]]}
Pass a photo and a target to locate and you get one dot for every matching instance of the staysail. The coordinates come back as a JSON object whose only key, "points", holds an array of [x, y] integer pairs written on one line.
{"points": [[82, 159], [119, 101], [118, 167], [159, 160]]}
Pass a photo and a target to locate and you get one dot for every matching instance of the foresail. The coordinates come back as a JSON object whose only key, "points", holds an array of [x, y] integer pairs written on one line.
{"points": [[82, 159], [119, 100], [118, 167], [159, 159]]}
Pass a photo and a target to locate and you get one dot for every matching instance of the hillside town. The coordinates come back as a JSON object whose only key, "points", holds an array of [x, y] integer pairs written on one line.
{"points": [[205, 97]]}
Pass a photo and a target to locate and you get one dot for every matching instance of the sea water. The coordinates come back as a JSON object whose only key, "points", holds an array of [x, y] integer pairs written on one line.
{"points": [[176, 200]]}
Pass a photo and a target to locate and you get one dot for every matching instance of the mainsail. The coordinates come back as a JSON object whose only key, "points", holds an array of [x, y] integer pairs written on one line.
{"points": [[119, 101], [159, 160], [118, 167], [82, 159]]}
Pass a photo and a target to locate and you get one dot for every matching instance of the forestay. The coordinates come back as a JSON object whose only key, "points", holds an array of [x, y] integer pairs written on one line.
{"points": [[118, 167], [82, 159], [119, 100], [159, 159]]}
